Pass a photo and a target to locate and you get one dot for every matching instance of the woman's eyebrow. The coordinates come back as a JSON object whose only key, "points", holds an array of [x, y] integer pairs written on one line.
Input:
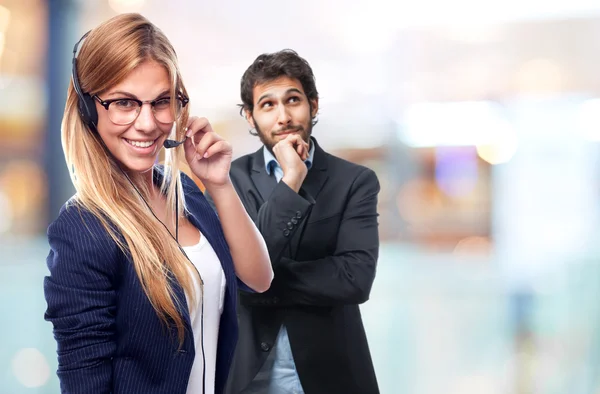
{"points": [[127, 94]]}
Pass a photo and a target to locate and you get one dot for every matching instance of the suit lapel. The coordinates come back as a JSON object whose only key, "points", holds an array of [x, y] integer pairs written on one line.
{"points": [[313, 184], [179, 293], [264, 182], [202, 218], [201, 215], [317, 176]]}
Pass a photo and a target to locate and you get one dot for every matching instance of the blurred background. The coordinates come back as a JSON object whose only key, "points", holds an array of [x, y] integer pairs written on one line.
{"points": [[481, 119]]}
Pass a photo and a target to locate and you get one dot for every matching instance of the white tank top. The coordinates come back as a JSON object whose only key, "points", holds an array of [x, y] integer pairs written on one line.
{"points": [[204, 258]]}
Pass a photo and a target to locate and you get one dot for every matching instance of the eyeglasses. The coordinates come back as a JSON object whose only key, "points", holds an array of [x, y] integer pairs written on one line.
{"points": [[124, 111]]}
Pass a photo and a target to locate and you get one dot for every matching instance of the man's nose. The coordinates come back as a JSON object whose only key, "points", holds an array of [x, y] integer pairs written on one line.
{"points": [[284, 116]]}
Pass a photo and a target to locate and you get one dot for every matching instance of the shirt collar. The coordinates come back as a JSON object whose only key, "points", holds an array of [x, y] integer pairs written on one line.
{"points": [[271, 161]]}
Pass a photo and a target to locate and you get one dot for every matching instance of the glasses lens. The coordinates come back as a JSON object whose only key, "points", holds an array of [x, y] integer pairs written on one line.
{"points": [[164, 111], [123, 112]]}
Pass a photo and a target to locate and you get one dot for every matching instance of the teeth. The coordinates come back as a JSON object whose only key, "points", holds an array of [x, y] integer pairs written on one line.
{"points": [[141, 144]]}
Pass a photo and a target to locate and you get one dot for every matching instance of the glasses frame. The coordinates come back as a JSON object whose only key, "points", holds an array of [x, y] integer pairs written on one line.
{"points": [[106, 103]]}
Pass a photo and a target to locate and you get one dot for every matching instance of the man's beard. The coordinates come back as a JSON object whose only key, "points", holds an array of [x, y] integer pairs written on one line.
{"points": [[304, 133]]}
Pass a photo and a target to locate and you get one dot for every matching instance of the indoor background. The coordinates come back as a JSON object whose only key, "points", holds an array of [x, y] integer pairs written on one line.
{"points": [[480, 118]]}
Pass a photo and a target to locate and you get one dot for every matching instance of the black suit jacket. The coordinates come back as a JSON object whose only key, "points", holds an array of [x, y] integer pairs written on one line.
{"points": [[323, 243]]}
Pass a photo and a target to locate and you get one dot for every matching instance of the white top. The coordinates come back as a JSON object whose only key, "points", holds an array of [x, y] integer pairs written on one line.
{"points": [[204, 258]]}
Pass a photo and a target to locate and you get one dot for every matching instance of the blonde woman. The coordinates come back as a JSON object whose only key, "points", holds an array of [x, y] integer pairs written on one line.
{"points": [[142, 285]]}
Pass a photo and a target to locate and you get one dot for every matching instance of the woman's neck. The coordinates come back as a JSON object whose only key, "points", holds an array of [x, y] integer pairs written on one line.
{"points": [[144, 181]]}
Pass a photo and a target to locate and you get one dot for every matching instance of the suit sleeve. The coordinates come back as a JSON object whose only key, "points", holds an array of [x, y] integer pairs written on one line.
{"points": [[283, 206], [345, 277], [81, 302], [273, 216]]}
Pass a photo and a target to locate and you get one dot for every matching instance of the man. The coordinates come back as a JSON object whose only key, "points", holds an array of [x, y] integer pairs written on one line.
{"points": [[318, 215]]}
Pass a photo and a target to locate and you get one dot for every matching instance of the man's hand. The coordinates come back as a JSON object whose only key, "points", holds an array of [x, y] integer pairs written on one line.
{"points": [[290, 154]]}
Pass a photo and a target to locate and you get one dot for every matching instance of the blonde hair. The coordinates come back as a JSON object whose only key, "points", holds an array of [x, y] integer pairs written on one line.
{"points": [[108, 54]]}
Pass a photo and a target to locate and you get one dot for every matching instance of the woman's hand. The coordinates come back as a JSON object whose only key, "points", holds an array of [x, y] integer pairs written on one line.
{"points": [[207, 153]]}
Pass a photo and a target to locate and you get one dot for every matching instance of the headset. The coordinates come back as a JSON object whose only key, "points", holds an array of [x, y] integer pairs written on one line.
{"points": [[86, 105], [89, 116]]}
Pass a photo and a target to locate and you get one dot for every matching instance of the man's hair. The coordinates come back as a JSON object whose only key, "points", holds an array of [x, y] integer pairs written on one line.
{"points": [[270, 66]]}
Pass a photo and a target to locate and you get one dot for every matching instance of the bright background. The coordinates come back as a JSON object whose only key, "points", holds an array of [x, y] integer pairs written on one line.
{"points": [[481, 119]]}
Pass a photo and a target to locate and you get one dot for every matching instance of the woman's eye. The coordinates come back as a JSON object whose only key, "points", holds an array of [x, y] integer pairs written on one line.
{"points": [[125, 104], [162, 103]]}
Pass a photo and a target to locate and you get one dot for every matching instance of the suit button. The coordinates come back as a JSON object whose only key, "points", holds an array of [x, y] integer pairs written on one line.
{"points": [[286, 232], [275, 300], [294, 221], [290, 225], [298, 215], [265, 347]]}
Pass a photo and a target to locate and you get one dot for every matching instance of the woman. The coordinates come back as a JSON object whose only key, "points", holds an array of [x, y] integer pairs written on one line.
{"points": [[142, 285]]}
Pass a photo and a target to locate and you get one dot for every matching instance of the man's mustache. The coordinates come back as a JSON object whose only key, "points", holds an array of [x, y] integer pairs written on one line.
{"points": [[288, 129]]}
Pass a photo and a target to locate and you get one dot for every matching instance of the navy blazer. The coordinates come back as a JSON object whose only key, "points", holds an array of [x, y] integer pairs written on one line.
{"points": [[110, 339]]}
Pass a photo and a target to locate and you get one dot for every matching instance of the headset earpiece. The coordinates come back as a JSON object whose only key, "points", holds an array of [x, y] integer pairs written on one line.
{"points": [[86, 105]]}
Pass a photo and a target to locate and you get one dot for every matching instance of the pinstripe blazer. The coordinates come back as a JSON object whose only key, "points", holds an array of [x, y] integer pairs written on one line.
{"points": [[109, 338]]}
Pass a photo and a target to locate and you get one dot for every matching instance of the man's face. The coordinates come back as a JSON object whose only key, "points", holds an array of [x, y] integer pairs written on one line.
{"points": [[281, 108]]}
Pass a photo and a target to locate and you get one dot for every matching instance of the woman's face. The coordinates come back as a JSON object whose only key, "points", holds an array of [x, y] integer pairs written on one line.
{"points": [[136, 145]]}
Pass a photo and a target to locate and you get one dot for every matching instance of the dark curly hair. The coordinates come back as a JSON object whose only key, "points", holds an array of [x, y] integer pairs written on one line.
{"points": [[270, 66]]}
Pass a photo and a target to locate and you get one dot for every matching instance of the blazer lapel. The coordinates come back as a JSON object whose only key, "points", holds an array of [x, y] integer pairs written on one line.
{"points": [[207, 227], [317, 176], [311, 187], [179, 293], [201, 215], [264, 182]]}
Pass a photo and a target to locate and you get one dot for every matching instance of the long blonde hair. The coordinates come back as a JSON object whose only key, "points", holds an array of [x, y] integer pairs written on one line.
{"points": [[108, 54]]}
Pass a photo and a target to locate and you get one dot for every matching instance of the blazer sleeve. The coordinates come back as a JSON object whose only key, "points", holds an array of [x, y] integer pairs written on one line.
{"points": [[345, 277], [283, 205], [80, 294], [274, 215]]}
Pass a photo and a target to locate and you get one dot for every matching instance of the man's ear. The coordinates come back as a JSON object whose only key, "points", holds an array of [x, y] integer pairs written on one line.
{"points": [[314, 105], [249, 118]]}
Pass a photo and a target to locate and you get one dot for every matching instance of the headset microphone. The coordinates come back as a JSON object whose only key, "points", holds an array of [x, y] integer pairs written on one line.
{"points": [[168, 144]]}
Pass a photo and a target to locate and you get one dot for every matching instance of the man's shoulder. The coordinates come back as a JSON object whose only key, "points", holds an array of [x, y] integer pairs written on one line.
{"points": [[349, 169], [243, 161], [243, 164], [356, 179]]}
